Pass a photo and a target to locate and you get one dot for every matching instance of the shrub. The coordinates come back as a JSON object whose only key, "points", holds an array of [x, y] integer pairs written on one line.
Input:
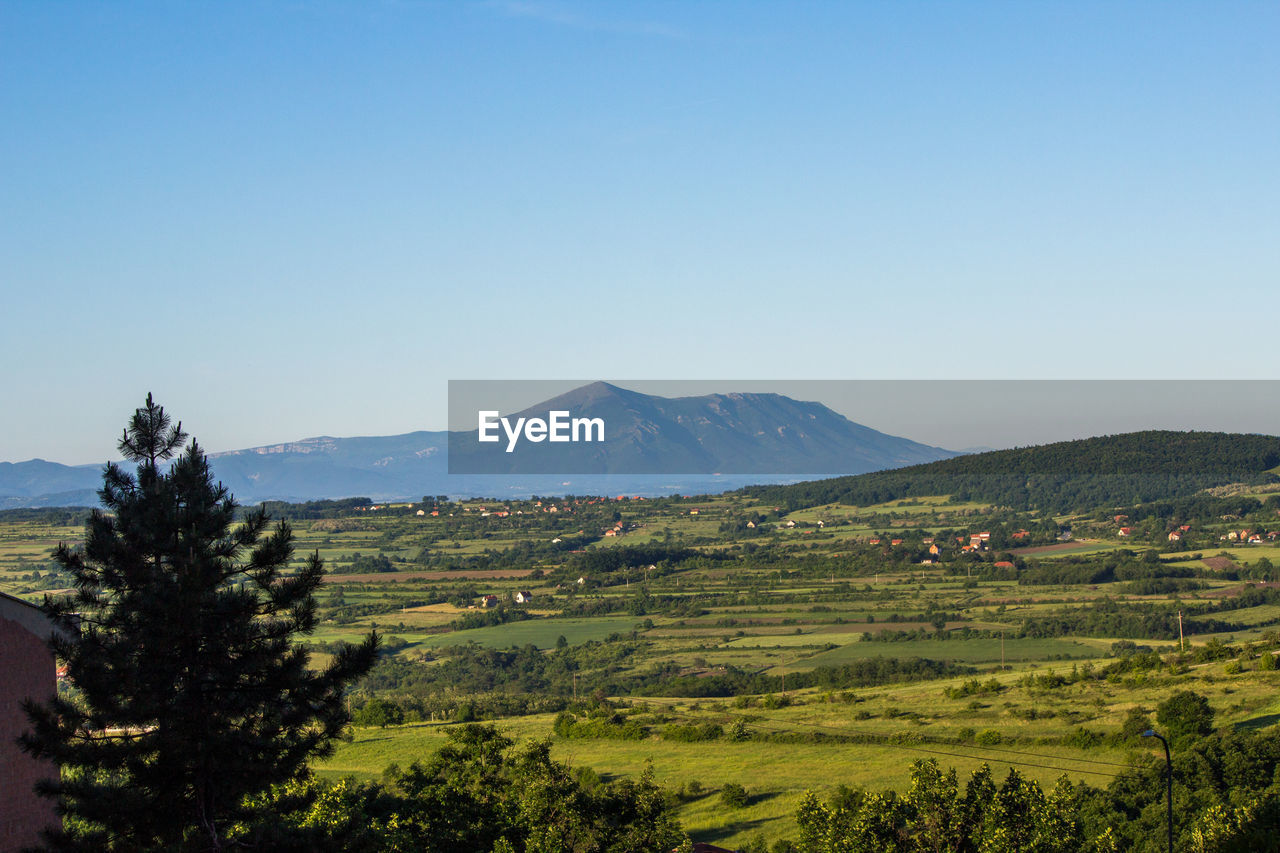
{"points": [[1185, 715], [733, 795]]}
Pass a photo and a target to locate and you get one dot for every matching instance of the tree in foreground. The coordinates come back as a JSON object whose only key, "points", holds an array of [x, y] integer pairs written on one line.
{"points": [[190, 696], [481, 792]]}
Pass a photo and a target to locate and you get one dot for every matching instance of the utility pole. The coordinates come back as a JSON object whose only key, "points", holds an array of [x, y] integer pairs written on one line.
{"points": [[575, 687], [1002, 651], [1181, 646]]}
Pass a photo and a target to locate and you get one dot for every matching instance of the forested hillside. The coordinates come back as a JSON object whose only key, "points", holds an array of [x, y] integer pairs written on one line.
{"points": [[1109, 470]]}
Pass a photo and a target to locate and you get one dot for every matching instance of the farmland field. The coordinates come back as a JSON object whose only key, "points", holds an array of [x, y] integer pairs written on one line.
{"points": [[803, 657]]}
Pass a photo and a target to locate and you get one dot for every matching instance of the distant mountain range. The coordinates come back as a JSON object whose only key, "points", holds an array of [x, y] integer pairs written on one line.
{"points": [[711, 434], [656, 445]]}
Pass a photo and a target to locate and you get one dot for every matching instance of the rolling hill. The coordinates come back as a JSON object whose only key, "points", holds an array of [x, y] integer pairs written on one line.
{"points": [[1123, 469]]}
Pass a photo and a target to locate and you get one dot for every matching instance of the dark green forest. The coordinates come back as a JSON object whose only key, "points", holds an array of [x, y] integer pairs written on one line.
{"points": [[1106, 471]]}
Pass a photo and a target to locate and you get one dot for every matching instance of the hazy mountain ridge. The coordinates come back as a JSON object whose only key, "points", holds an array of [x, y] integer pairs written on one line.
{"points": [[705, 444], [734, 433]]}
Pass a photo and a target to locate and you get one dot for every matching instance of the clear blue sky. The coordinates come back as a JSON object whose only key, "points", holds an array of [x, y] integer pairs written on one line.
{"points": [[296, 218]]}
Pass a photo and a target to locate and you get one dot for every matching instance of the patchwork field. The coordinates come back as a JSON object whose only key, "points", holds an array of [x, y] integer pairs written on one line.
{"points": [[728, 646]]}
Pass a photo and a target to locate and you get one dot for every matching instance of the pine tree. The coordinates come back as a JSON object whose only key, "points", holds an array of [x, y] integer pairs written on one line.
{"points": [[190, 695]]}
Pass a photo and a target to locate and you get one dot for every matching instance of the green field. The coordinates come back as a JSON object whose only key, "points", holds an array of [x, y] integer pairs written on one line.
{"points": [[964, 651], [542, 633], [726, 606]]}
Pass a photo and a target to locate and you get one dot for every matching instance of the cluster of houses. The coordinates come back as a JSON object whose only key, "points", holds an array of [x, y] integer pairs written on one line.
{"points": [[1249, 537], [1246, 536], [972, 542], [521, 597]]}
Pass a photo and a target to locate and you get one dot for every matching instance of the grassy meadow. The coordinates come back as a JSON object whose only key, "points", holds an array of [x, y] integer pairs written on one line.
{"points": [[1025, 636]]}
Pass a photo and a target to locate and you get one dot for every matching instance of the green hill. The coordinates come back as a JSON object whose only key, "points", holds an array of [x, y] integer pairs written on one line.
{"points": [[1105, 471]]}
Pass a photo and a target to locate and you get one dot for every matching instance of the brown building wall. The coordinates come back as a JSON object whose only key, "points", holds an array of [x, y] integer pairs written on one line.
{"points": [[26, 671]]}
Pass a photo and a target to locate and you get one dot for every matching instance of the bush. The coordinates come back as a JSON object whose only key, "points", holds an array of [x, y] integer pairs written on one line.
{"points": [[1135, 723], [733, 795], [1185, 715], [692, 732], [988, 737], [378, 712]]}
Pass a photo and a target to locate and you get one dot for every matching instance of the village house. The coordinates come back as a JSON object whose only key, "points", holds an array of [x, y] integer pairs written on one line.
{"points": [[489, 601], [29, 672], [524, 597]]}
